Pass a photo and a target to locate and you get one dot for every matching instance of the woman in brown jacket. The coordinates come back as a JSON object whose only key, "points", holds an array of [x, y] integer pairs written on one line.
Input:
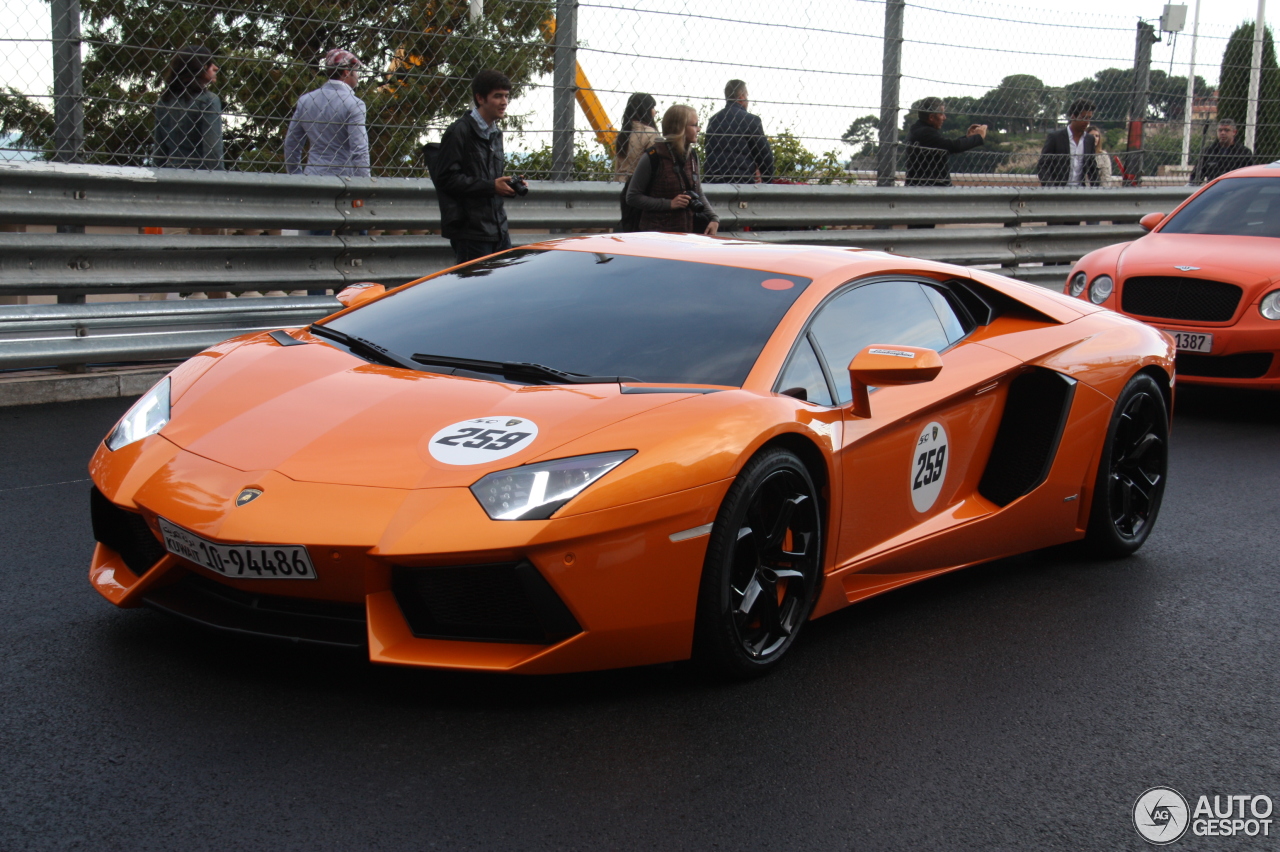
{"points": [[637, 134], [667, 184]]}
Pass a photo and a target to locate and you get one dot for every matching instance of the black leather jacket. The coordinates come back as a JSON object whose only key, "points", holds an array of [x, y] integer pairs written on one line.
{"points": [[466, 167]]}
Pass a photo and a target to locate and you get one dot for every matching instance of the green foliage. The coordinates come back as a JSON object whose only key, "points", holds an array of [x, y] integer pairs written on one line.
{"points": [[1233, 89], [587, 165], [420, 57], [864, 132], [793, 161]]}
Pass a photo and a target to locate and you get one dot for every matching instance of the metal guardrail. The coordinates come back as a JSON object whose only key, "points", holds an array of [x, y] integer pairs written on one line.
{"points": [[1010, 227], [44, 335]]}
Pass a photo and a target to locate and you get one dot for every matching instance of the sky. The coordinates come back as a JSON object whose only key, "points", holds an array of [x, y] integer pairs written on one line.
{"points": [[812, 66]]}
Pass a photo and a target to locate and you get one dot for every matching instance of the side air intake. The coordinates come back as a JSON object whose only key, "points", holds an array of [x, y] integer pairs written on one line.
{"points": [[1034, 416]]}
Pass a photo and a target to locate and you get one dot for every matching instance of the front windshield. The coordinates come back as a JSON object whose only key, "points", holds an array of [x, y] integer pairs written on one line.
{"points": [[1237, 207], [663, 321]]}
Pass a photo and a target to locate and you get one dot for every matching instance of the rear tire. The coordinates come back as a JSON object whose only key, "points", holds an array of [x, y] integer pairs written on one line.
{"points": [[762, 570], [1132, 473]]}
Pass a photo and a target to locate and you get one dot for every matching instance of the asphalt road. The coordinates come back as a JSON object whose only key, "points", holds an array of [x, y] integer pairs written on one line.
{"points": [[1023, 704]]}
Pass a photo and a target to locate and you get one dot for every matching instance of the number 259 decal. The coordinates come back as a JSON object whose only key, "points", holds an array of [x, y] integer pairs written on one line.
{"points": [[482, 439], [929, 466]]}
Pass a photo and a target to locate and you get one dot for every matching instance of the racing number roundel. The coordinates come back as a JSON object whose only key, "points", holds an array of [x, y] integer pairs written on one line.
{"points": [[929, 466], [483, 439]]}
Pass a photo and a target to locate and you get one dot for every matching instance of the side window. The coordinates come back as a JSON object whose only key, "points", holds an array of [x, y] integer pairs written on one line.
{"points": [[804, 371], [951, 323], [886, 312]]}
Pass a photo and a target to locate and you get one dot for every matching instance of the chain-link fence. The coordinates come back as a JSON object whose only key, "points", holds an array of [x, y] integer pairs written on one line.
{"points": [[814, 72]]}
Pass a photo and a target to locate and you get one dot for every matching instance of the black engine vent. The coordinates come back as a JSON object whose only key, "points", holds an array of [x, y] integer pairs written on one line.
{"points": [[1246, 365], [1172, 297], [124, 532], [505, 602], [1035, 413]]}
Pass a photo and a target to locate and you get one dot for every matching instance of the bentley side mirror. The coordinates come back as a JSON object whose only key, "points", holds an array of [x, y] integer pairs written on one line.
{"points": [[879, 365], [1150, 220], [358, 294]]}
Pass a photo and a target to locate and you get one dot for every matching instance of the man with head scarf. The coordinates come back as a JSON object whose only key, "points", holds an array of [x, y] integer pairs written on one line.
{"points": [[330, 120]]}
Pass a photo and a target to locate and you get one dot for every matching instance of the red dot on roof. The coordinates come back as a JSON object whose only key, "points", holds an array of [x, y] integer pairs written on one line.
{"points": [[777, 284]]}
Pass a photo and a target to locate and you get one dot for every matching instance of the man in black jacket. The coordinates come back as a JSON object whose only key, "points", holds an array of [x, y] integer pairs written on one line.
{"points": [[737, 149], [1067, 158], [468, 173], [928, 152], [1223, 156]]}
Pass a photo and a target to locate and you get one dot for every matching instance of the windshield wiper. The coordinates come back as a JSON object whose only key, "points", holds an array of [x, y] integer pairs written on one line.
{"points": [[518, 370], [365, 348]]}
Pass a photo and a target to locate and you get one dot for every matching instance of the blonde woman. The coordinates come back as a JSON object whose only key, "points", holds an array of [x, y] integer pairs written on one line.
{"points": [[667, 184]]}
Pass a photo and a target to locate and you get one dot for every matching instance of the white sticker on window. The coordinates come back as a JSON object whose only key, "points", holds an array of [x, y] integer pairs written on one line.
{"points": [[928, 466], [482, 440]]}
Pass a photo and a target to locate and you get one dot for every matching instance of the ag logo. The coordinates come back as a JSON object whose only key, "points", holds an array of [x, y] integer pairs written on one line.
{"points": [[929, 466], [1160, 815], [482, 440], [248, 496]]}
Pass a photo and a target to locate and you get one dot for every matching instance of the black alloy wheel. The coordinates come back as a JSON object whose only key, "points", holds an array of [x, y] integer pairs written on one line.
{"points": [[1133, 471], [763, 567]]}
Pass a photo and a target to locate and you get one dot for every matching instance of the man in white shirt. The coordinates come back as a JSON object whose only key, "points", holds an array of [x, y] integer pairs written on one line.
{"points": [[330, 121], [1067, 157]]}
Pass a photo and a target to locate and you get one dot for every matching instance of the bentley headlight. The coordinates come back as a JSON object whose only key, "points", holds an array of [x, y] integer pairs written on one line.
{"points": [[533, 492], [1076, 287], [1270, 307], [147, 417], [1100, 289]]}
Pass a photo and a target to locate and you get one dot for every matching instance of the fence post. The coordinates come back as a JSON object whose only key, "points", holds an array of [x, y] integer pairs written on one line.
{"points": [[68, 82], [68, 97], [891, 76], [1141, 97], [563, 81]]}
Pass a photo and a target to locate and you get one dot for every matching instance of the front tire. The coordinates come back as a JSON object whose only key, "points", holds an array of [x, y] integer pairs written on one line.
{"points": [[1132, 472], [763, 568]]}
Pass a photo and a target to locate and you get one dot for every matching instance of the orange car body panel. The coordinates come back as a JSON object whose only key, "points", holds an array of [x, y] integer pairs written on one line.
{"points": [[337, 445], [1247, 262]]}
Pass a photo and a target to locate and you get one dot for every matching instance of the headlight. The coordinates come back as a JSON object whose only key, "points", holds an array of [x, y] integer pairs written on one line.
{"points": [[1076, 287], [147, 417], [533, 492], [1100, 289], [1270, 307]]}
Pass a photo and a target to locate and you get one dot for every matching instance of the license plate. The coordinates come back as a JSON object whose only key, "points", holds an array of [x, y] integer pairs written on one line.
{"points": [[241, 561], [1188, 341]]}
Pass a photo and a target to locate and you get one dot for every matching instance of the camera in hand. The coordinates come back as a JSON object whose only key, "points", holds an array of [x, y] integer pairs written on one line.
{"points": [[696, 205], [519, 185]]}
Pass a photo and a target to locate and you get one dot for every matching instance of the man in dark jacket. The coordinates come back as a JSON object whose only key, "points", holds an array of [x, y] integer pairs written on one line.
{"points": [[928, 152], [1067, 158], [737, 149], [1223, 156], [468, 175]]}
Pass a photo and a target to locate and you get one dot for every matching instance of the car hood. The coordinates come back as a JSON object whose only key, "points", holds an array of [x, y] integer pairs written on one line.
{"points": [[1246, 261], [316, 414]]}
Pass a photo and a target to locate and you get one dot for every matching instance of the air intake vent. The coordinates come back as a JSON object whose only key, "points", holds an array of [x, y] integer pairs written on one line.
{"points": [[124, 532], [1035, 413], [507, 602], [1246, 365], [1175, 298]]}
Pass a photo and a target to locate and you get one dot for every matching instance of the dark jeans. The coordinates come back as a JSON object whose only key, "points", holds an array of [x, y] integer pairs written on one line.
{"points": [[464, 250]]}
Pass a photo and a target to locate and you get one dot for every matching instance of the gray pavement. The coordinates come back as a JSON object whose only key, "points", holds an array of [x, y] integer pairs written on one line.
{"points": [[1023, 704]]}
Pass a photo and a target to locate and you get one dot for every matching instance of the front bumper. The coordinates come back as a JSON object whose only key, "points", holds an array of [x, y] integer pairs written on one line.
{"points": [[420, 578], [1246, 354]]}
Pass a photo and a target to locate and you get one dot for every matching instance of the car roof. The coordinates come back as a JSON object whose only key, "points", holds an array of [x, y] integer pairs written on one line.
{"points": [[1271, 170]]}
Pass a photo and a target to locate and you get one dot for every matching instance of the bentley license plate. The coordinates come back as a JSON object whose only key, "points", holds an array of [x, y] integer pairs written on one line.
{"points": [[241, 561], [1188, 341]]}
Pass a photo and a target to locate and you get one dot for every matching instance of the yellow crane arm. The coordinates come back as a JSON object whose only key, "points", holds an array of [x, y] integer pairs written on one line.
{"points": [[588, 102]]}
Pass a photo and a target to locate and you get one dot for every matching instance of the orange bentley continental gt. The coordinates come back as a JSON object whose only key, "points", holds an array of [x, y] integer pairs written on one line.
{"points": [[1208, 274], [614, 450]]}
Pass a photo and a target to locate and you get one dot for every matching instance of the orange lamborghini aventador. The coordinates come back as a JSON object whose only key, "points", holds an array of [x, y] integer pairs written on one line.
{"points": [[618, 450]]}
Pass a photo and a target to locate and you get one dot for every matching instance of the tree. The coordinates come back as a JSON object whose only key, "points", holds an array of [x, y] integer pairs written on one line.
{"points": [[1233, 89], [1015, 106], [420, 56], [864, 132]]}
